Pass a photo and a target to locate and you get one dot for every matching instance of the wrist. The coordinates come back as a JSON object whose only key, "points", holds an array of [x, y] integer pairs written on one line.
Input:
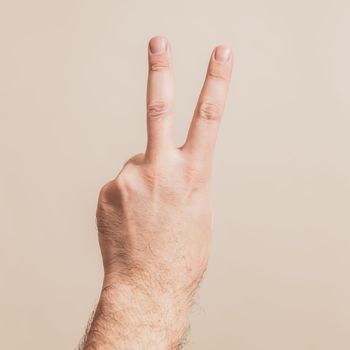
{"points": [[143, 316]]}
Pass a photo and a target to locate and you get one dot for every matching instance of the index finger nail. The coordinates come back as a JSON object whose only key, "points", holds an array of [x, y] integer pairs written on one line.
{"points": [[222, 54], [157, 44]]}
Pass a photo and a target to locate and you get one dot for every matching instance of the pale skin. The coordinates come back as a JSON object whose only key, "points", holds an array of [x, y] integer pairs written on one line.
{"points": [[154, 218]]}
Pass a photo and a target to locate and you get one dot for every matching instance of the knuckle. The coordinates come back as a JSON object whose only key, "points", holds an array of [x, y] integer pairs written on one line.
{"points": [[113, 191], [103, 191], [107, 192], [120, 182], [133, 162], [209, 111], [196, 177], [158, 109], [159, 62], [159, 179], [152, 174], [192, 172], [219, 71], [126, 181]]}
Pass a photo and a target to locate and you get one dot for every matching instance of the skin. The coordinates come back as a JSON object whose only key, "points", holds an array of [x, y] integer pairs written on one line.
{"points": [[154, 218]]}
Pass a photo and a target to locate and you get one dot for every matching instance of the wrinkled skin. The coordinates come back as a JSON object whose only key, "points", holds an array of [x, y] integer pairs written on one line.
{"points": [[155, 227], [154, 218]]}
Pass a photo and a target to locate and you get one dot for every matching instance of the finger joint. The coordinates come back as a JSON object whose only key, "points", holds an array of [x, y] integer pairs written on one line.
{"points": [[158, 109], [219, 71], [159, 63], [209, 111]]}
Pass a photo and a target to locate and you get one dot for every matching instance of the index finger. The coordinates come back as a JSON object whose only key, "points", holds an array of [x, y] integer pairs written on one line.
{"points": [[159, 97]]}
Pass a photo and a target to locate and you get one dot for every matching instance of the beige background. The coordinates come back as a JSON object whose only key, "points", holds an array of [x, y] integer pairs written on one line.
{"points": [[72, 89]]}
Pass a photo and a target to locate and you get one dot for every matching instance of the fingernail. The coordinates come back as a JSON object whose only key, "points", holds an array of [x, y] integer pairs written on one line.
{"points": [[222, 54], [157, 44]]}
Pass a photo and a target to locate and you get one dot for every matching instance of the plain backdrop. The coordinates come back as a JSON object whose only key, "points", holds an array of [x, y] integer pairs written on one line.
{"points": [[72, 111]]}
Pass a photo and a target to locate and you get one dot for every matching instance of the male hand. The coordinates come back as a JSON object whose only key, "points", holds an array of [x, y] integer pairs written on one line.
{"points": [[154, 218]]}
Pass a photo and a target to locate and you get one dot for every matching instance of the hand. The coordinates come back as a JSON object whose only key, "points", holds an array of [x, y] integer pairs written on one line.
{"points": [[154, 218]]}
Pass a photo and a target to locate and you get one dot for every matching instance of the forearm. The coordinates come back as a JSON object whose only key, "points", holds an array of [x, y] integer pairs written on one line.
{"points": [[154, 218], [128, 317]]}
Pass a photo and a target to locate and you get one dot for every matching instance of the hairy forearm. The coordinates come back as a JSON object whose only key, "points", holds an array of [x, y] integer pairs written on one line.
{"points": [[154, 218], [128, 317]]}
